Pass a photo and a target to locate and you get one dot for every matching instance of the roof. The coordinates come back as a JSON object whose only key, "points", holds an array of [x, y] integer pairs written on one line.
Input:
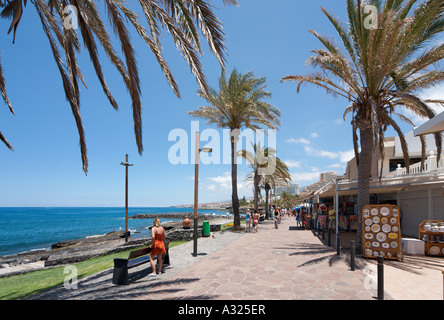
{"points": [[398, 184], [434, 125]]}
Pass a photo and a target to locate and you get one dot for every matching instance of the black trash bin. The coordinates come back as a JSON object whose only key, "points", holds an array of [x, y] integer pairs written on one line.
{"points": [[120, 273]]}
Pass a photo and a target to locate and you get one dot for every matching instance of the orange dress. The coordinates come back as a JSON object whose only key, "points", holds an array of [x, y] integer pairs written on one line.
{"points": [[159, 246]]}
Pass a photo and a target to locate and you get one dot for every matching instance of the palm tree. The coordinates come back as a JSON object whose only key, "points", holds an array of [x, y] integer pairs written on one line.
{"points": [[281, 177], [182, 19], [382, 70], [239, 104], [286, 199], [267, 169]]}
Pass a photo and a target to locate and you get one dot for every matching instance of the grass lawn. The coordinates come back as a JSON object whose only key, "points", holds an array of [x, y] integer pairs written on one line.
{"points": [[19, 286]]}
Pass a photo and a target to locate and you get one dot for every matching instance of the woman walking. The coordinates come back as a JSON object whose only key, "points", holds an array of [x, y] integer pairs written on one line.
{"points": [[299, 218], [248, 220], [255, 220], [157, 246]]}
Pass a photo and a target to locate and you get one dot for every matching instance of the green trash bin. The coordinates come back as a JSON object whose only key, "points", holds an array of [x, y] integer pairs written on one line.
{"points": [[205, 229]]}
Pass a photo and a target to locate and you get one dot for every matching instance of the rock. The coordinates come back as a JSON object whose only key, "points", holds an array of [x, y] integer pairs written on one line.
{"points": [[63, 244]]}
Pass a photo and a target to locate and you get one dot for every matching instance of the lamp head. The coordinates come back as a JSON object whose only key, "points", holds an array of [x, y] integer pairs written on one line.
{"points": [[206, 149]]}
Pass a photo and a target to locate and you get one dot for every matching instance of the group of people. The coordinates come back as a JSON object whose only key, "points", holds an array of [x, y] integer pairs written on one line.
{"points": [[249, 217], [302, 218]]}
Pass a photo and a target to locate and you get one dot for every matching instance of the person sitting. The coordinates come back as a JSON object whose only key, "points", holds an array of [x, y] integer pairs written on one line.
{"points": [[186, 223]]}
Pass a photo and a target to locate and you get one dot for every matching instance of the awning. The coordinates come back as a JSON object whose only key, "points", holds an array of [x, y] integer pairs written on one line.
{"points": [[434, 125], [352, 189]]}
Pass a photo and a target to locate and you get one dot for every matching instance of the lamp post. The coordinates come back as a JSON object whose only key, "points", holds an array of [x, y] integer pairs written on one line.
{"points": [[196, 188], [337, 215], [126, 164]]}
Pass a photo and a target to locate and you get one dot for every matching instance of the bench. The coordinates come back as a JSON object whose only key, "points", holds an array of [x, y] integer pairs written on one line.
{"points": [[135, 259]]}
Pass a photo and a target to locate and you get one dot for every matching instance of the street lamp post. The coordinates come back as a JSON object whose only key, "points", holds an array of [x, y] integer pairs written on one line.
{"points": [[126, 164], [337, 215], [196, 188]]}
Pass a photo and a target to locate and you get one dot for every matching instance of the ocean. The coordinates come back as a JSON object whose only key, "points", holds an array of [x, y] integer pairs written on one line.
{"points": [[26, 229]]}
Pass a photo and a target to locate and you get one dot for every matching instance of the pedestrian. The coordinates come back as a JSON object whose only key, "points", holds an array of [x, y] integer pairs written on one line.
{"points": [[158, 236], [307, 220], [256, 217], [303, 218], [248, 220], [299, 217], [186, 223]]}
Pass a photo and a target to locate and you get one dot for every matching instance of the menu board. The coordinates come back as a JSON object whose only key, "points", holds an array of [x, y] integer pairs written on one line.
{"points": [[381, 232]]}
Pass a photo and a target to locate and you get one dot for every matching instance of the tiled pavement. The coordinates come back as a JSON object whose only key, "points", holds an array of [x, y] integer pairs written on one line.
{"points": [[272, 264], [278, 264]]}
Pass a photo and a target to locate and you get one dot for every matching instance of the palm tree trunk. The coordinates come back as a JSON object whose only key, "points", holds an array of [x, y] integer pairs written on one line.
{"points": [[266, 202], [364, 173], [234, 196], [256, 189]]}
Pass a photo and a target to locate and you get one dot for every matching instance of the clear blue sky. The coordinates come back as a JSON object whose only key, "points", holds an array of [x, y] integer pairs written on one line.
{"points": [[271, 39]]}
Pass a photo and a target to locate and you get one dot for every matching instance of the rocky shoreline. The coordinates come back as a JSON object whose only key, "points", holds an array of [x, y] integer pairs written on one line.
{"points": [[73, 251], [178, 215]]}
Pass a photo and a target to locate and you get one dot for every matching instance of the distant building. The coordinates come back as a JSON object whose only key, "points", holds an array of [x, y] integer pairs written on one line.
{"points": [[324, 179], [293, 188], [327, 176]]}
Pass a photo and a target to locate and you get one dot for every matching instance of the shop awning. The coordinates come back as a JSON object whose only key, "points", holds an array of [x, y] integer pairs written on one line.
{"points": [[352, 189], [434, 125]]}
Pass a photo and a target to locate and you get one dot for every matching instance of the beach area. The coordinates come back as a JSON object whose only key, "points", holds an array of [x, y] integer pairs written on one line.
{"points": [[77, 250]]}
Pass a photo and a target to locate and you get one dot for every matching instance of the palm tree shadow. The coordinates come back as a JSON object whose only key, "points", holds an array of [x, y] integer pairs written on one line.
{"points": [[327, 254]]}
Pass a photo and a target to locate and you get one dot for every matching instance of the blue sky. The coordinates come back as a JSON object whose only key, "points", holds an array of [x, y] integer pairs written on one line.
{"points": [[271, 40]]}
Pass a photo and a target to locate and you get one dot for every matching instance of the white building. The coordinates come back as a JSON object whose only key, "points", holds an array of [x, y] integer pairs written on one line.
{"points": [[419, 194], [293, 188]]}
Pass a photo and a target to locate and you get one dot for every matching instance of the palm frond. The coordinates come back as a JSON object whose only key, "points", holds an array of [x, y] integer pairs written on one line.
{"points": [[181, 18], [48, 24], [133, 74], [3, 89], [3, 139]]}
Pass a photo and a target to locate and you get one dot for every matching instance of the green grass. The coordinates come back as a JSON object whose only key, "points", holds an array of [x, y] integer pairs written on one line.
{"points": [[19, 286]]}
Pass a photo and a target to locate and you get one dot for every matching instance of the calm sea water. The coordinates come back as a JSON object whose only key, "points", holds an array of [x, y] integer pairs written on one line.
{"points": [[25, 229]]}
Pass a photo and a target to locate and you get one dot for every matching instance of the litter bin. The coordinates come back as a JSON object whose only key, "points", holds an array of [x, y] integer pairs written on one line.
{"points": [[120, 272], [205, 229]]}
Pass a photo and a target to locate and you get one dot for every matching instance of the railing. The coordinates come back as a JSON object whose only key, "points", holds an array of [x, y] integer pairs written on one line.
{"points": [[430, 166]]}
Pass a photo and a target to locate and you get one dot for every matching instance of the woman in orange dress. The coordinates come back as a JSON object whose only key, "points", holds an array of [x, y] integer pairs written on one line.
{"points": [[157, 246]]}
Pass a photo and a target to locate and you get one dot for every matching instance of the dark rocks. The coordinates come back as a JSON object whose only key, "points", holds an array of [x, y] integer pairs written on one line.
{"points": [[175, 215]]}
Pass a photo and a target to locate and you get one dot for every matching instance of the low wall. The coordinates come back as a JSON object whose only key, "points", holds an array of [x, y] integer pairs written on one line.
{"points": [[182, 234]]}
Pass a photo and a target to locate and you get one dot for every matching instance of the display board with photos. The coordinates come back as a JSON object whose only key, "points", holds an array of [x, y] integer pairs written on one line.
{"points": [[381, 232]]}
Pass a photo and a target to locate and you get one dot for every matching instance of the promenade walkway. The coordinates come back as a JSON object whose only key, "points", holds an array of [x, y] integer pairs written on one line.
{"points": [[274, 264]]}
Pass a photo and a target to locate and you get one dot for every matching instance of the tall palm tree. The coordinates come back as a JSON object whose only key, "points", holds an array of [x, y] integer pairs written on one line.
{"points": [[267, 169], [182, 19], [382, 70], [239, 104], [281, 177]]}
